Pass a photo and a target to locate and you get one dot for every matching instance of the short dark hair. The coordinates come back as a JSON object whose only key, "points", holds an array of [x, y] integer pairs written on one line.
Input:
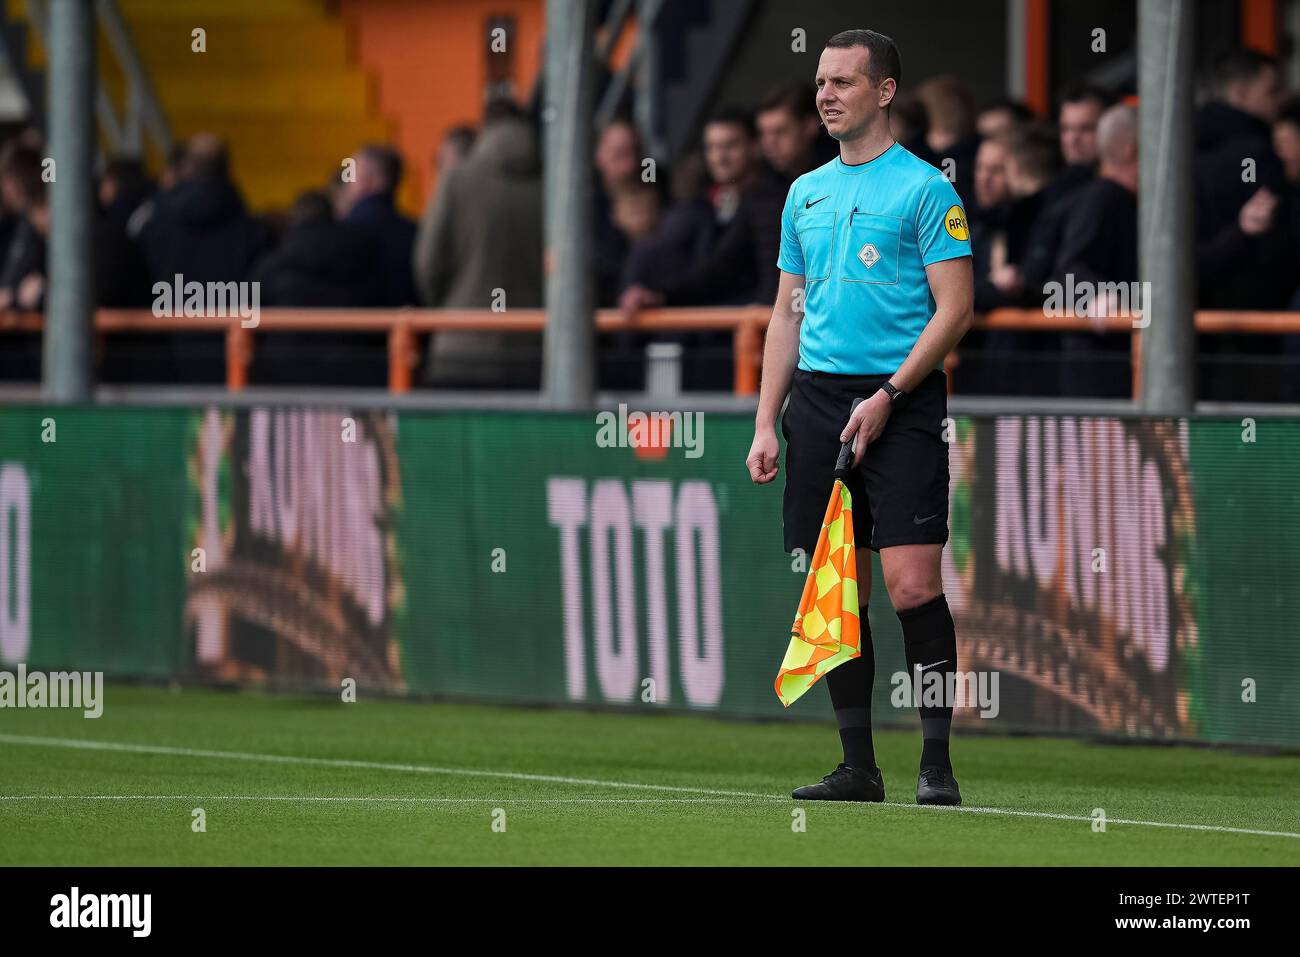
{"points": [[884, 62], [1239, 64], [311, 207], [1082, 93], [734, 116], [794, 99], [1018, 110], [206, 157], [1035, 149], [386, 161], [24, 167]]}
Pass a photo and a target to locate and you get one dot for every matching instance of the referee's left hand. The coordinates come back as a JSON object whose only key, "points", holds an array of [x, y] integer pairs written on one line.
{"points": [[866, 422]]}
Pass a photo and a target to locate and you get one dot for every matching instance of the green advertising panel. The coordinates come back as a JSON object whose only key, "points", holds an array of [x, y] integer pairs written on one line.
{"points": [[92, 565], [1125, 577]]}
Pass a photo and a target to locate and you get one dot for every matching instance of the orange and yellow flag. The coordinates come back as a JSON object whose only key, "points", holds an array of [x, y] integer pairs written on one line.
{"points": [[826, 628]]}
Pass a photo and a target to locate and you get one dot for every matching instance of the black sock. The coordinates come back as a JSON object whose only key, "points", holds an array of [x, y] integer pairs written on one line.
{"points": [[850, 688], [930, 639]]}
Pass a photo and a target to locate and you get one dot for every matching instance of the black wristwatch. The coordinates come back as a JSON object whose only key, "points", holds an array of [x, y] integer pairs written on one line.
{"points": [[895, 395]]}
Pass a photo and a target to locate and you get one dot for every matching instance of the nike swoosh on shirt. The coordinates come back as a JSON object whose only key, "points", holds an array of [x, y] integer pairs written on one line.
{"points": [[922, 521], [815, 202]]}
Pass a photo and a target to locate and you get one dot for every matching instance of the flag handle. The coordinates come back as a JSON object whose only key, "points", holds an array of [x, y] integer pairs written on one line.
{"points": [[844, 464]]}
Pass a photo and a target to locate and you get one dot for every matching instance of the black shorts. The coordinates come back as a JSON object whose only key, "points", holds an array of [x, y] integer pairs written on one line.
{"points": [[900, 490]]}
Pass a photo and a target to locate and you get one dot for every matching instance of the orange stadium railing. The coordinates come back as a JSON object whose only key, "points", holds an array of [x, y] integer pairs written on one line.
{"points": [[747, 324]]}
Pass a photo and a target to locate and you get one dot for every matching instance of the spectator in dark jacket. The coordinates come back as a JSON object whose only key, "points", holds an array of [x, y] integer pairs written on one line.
{"points": [[319, 263], [22, 274], [1030, 168], [1099, 245], [1286, 143], [662, 242], [366, 202], [22, 260], [618, 160], [688, 230], [1234, 163], [1245, 256], [1012, 175], [788, 131], [989, 214], [15, 164], [121, 273], [200, 228], [123, 188], [684, 234], [951, 135], [1080, 112]]}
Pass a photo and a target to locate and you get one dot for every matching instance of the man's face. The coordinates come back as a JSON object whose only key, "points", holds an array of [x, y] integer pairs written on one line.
{"points": [[784, 139], [846, 99], [728, 152], [995, 122], [616, 158], [1020, 179], [991, 174], [635, 213], [1079, 131], [1261, 97]]}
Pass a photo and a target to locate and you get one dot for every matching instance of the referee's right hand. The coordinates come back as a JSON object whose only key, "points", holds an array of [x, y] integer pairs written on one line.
{"points": [[763, 455]]}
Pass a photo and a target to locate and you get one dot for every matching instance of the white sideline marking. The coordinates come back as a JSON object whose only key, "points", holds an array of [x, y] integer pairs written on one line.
{"points": [[366, 799], [1081, 817], [516, 776], [346, 763]]}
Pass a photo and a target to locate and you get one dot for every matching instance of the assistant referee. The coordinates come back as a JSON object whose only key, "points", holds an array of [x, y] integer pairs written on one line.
{"points": [[876, 289]]}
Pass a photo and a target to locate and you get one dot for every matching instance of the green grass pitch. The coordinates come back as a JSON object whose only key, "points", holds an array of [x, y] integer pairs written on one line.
{"points": [[311, 780]]}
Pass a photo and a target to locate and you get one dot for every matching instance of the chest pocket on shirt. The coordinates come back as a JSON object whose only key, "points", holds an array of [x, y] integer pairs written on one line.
{"points": [[871, 254], [816, 232]]}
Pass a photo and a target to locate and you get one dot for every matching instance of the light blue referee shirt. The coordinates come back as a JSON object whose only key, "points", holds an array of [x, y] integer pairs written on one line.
{"points": [[861, 236]]}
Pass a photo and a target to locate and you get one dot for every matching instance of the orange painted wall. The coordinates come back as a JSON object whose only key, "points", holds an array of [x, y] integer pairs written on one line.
{"points": [[429, 62]]}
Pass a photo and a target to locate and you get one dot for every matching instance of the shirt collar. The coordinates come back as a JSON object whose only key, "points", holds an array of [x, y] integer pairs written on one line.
{"points": [[858, 168]]}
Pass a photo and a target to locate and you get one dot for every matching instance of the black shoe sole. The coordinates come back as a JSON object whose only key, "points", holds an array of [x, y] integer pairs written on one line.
{"points": [[845, 800], [940, 799]]}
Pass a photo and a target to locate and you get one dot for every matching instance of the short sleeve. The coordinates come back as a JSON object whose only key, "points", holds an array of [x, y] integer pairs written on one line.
{"points": [[942, 231], [791, 256]]}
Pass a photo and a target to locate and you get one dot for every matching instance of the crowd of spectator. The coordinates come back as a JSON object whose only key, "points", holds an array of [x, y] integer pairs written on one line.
{"points": [[1047, 203], [1051, 206]]}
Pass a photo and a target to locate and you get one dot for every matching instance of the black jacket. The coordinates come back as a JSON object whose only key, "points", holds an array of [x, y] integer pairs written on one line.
{"points": [[1099, 238], [1237, 271], [747, 248], [320, 265], [200, 229], [682, 238], [392, 237], [25, 256]]}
